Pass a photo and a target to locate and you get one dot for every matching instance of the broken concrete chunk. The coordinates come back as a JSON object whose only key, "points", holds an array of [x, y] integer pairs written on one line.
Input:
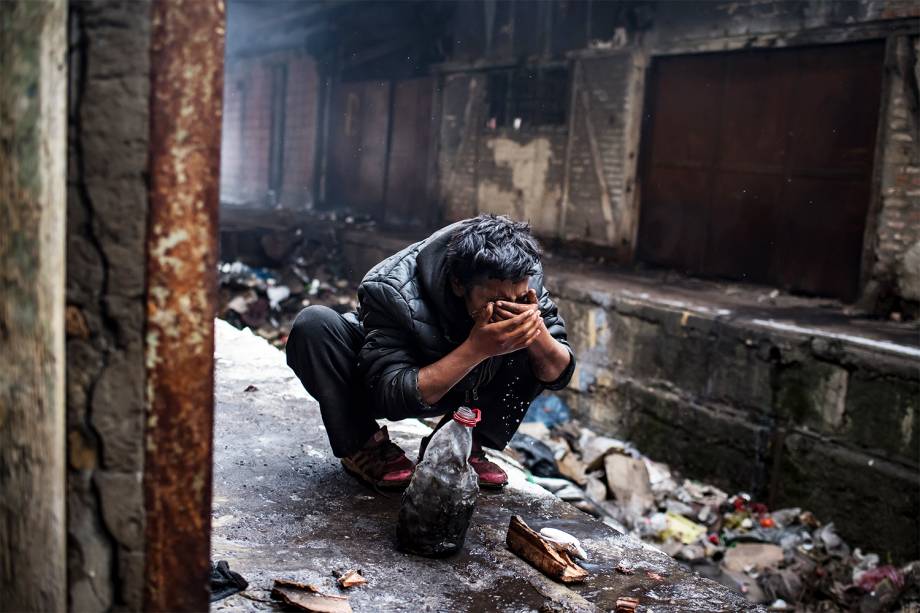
{"points": [[308, 597], [628, 480], [539, 553], [746, 556], [595, 489]]}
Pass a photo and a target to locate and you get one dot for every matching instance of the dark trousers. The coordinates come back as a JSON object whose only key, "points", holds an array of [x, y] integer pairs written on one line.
{"points": [[322, 350]]}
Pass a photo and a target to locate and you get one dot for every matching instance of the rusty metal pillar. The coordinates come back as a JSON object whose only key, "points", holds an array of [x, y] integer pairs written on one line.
{"points": [[186, 99]]}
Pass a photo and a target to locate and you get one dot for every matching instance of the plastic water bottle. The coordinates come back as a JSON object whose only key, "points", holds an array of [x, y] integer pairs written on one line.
{"points": [[438, 504]]}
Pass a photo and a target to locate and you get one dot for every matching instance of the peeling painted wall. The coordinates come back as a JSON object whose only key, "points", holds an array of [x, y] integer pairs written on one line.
{"points": [[520, 176], [107, 223]]}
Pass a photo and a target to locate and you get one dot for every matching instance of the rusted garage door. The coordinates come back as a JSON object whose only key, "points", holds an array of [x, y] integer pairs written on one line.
{"points": [[757, 165]]}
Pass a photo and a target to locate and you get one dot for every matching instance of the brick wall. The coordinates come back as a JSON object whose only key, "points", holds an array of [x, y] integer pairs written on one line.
{"points": [[894, 274], [247, 130], [601, 209]]}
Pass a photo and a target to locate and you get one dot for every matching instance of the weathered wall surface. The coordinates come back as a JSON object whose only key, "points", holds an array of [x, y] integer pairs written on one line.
{"points": [[519, 173], [106, 293], [601, 206], [795, 419], [608, 54], [33, 46], [462, 114]]}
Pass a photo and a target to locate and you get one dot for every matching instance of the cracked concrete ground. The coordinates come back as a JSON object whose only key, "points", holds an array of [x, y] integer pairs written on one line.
{"points": [[284, 508]]}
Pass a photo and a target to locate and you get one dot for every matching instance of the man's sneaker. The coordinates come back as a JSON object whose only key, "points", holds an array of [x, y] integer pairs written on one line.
{"points": [[491, 476], [381, 463]]}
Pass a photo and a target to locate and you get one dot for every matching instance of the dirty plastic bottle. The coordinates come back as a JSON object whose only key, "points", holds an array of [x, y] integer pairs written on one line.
{"points": [[438, 504]]}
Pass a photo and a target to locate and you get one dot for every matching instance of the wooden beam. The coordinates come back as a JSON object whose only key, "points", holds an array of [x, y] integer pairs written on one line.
{"points": [[33, 176]]}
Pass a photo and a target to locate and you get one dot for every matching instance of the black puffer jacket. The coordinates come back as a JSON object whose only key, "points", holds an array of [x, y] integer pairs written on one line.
{"points": [[411, 319]]}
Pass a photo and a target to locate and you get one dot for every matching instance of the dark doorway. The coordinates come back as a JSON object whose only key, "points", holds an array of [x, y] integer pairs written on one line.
{"points": [[758, 165]]}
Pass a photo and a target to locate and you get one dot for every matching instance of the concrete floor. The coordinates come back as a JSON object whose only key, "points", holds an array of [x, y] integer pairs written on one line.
{"points": [[283, 508]]}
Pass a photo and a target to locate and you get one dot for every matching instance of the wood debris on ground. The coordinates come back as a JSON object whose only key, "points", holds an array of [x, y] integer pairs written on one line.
{"points": [[306, 597], [541, 554], [351, 578]]}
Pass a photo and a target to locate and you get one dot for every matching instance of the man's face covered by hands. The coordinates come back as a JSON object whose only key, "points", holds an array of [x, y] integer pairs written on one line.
{"points": [[506, 317], [507, 298]]}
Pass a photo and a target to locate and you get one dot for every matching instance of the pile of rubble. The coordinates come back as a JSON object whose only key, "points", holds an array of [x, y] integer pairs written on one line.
{"points": [[783, 558], [267, 300]]}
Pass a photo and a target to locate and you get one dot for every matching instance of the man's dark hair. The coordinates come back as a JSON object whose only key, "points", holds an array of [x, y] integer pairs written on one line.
{"points": [[492, 247]]}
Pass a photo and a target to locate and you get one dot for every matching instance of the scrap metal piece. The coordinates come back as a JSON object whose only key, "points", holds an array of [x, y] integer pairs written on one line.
{"points": [[541, 554], [305, 597]]}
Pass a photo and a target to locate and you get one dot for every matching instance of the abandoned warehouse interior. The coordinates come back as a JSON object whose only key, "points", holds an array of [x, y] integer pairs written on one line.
{"points": [[728, 195]]}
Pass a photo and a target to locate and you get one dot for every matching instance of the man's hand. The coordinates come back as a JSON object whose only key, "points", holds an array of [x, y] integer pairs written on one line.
{"points": [[507, 310], [516, 332]]}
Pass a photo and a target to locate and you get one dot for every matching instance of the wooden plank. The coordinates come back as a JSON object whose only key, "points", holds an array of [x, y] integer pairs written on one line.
{"points": [[537, 552], [33, 168]]}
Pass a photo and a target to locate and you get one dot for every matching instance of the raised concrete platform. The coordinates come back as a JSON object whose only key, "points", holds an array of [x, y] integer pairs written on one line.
{"points": [[797, 400], [283, 508]]}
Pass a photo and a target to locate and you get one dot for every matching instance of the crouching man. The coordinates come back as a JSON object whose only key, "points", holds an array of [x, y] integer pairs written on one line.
{"points": [[460, 318]]}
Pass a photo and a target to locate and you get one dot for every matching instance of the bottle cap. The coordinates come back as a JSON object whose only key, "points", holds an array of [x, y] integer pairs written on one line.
{"points": [[467, 416]]}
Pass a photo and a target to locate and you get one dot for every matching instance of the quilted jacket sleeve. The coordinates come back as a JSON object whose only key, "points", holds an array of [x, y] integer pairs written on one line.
{"points": [[556, 327], [387, 358]]}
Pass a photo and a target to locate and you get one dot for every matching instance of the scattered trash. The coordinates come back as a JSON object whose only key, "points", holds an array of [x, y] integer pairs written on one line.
{"points": [[305, 597], [549, 410], [350, 578], [225, 582], [784, 559], [541, 554], [744, 557], [628, 480], [438, 504], [626, 604], [305, 271], [536, 455]]}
